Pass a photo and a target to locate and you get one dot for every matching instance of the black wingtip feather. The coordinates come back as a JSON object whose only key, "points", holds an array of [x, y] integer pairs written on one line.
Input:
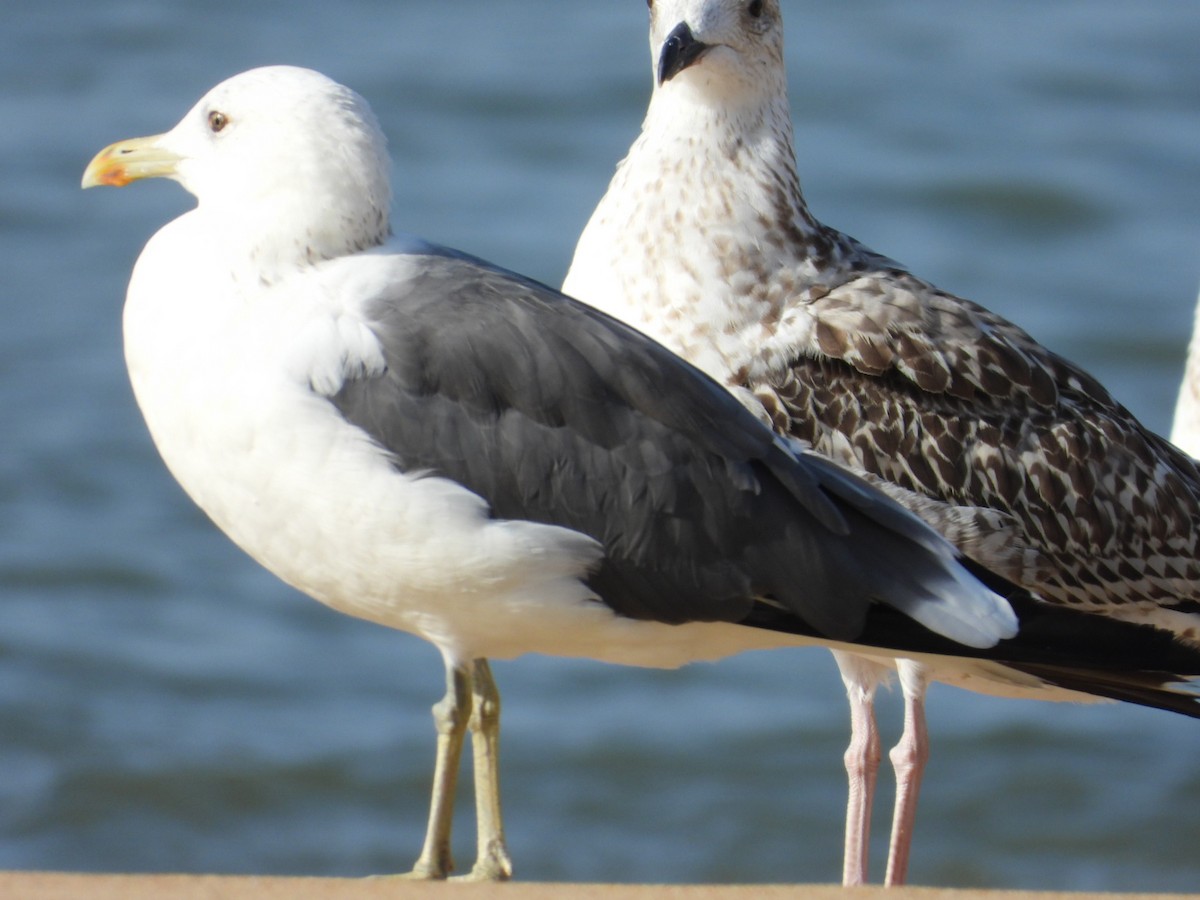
{"points": [[1067, 648], [1157, 690]]}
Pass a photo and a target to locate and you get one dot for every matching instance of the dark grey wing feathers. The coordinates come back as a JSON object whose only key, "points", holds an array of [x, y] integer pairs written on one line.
{"points": [[554, 412]]}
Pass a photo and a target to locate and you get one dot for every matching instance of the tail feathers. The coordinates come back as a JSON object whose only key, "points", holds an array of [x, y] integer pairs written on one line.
{"points": [[1097, 654], [960, 607], [1158, 690], [1080, 651]]}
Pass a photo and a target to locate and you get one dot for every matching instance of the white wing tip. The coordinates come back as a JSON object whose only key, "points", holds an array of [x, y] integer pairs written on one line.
{"points": [[966, 611]]}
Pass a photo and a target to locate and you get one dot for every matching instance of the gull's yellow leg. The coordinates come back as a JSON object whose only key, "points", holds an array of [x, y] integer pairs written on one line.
{"points": [[450, 716], [493, 862]]}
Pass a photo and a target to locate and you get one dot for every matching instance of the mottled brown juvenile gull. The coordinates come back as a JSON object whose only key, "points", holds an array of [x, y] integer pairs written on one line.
{"points": [[704, 242], [418, 438]]}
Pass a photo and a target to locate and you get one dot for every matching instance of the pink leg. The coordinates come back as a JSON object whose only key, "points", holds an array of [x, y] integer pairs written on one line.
{"points": [[861, 677], [908, 757]]}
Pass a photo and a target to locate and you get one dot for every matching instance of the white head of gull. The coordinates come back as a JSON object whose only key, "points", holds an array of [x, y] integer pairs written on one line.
{"points": [[704, 242]]}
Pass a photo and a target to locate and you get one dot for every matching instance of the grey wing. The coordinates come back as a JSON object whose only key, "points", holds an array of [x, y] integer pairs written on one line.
{"points": [[556, 413]]}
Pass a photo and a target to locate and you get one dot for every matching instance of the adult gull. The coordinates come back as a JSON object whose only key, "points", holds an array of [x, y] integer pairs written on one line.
{"points": [[418, 438], [704, 242]]}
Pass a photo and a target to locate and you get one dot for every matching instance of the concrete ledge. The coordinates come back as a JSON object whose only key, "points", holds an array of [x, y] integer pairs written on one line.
{"points": [[70, 886]]}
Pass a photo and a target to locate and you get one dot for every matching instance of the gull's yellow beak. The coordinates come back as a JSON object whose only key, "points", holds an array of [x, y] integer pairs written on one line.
{"points": [[126, 161]]}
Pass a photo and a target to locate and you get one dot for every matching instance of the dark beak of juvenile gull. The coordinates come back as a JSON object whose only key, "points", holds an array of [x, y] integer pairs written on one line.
{"points": [[679, 51]]}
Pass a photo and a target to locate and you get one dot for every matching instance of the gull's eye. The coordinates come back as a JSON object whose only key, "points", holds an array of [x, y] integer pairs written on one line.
{"points": [[217, 121], [755, 8]]}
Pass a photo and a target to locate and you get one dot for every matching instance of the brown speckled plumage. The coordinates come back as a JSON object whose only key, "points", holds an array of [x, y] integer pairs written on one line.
{"points": [[937, 396], [705, 242], [1019, 458]]}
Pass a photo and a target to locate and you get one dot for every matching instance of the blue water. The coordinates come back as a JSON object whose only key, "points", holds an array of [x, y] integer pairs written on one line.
{"points": [[167, 706]]}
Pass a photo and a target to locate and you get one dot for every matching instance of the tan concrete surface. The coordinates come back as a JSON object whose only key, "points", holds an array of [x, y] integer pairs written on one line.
{"points": [[70, 886]]}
